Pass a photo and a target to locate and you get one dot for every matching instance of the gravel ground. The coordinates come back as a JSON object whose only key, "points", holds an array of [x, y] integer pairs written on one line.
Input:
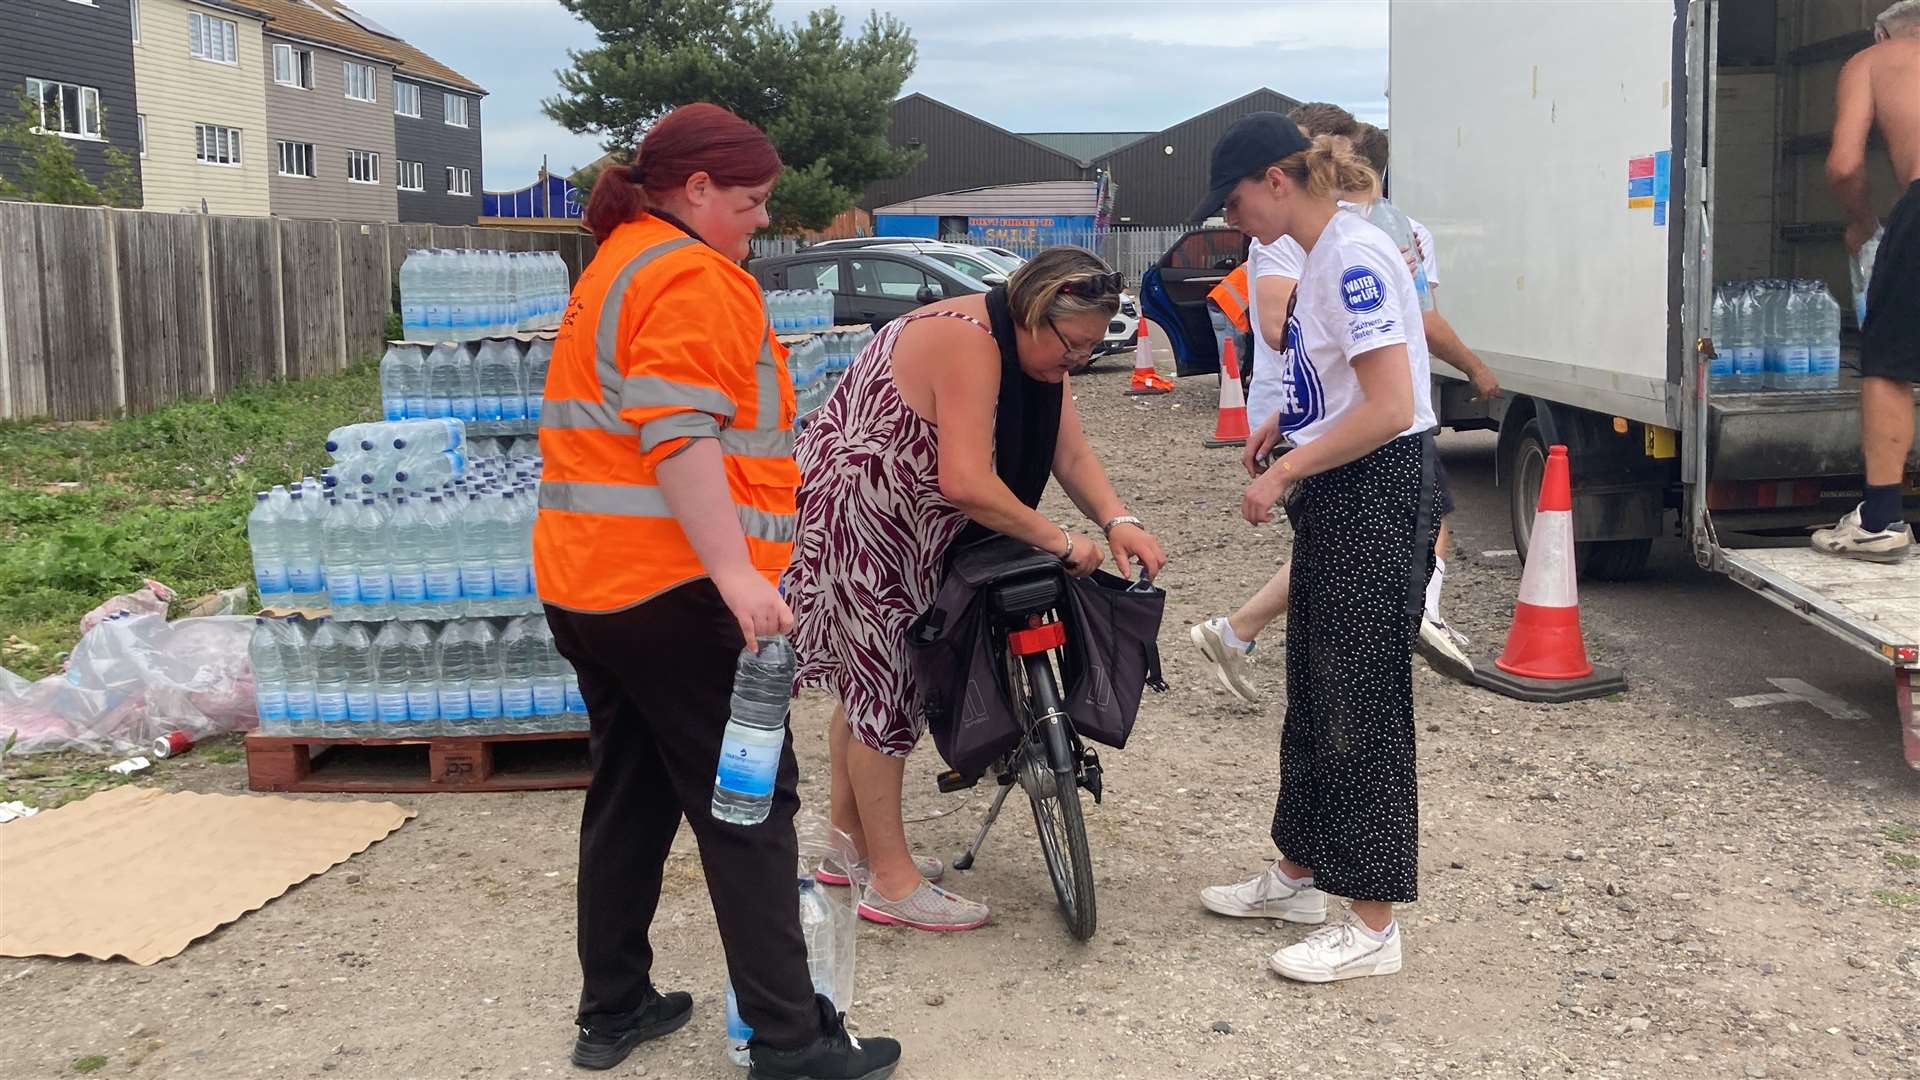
{"points": [[1638, 887]]}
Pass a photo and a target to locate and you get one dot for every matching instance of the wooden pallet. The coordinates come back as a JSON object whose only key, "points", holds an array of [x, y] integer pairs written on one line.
{"points": [[535, 762]]}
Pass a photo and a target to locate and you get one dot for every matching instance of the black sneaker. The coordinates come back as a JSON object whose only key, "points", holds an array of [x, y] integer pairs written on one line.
{"points": [[835, 1055], [603, 1046]]}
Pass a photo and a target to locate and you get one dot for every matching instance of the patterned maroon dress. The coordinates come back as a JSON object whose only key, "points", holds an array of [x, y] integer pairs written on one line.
{"points": [[873, 532]]}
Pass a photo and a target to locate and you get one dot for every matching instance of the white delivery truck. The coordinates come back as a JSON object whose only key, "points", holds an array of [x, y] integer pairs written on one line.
{"points": [[1591, 169]]}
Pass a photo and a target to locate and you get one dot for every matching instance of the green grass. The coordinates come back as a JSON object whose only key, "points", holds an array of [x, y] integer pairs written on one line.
{"points": [[1901, 834], [88, 510], [1903, 861], [1898, 899], [90, 1063], [222, 755]]}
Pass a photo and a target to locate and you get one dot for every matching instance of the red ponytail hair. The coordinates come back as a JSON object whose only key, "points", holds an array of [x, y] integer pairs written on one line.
{"points": [[690, 139]]}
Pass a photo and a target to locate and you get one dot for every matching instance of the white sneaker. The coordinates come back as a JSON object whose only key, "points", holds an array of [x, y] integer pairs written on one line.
{"points": [[1345, 950], [1267, 896], [1850, 539], [1442, 647], [1229, 664]]}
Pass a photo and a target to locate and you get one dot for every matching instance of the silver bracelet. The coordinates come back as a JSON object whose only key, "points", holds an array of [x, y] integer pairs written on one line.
{"points": [[1123, 519], [1067, 555]]}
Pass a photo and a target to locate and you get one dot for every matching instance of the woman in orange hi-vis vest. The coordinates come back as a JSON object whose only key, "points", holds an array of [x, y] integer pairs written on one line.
{"points": [[666, 518]]}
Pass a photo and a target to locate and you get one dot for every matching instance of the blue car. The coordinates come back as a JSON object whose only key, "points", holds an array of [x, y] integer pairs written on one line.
{"points": [[1173, 293]]}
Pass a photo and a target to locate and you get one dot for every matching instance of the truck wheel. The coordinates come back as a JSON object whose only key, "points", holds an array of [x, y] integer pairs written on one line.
{"points": [[1602, 560]]}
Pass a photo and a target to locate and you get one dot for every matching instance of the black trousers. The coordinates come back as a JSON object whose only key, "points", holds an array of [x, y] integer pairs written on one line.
{"points": [[658, 682]]}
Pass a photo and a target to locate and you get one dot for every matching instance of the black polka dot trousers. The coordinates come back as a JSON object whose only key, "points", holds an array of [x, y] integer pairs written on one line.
{"points": [[1362, 552]]}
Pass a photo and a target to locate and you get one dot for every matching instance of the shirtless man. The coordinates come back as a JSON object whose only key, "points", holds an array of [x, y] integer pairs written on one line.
{"points": [[1881, 85]]}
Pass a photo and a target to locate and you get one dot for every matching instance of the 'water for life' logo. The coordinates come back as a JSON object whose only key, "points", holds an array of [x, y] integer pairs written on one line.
{"points": [[1361, 291], [1302, 399]]}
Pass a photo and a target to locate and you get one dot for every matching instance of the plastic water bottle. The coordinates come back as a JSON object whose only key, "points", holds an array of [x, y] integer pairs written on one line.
{"points": [[489, 359], [1720, 369], [1388, 218], [427, 470], [453, 662], [461, 289], [340, 553], [517, 648], [476, 554], [501, 388], [269, 557], [405, 562], [421, 436], [413, 316], [1860, 269], [269, 677], [423, 679], [390, 669], [816, 928], [372, 571], [509, 556], [1824, 368], [356, 656], [549, 678], [484, 686], [330, 680], [539, 355], [1796, 339], [756, 733], [440, 560], [1749, 349], [394, 380], [300, 532], [443, 378], [296, 657], [576, 701], [737, 1032]]}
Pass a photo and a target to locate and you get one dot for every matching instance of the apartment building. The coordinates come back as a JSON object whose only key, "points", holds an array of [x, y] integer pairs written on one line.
{"points": [[74, 60], [329, 94], [203, 120]]}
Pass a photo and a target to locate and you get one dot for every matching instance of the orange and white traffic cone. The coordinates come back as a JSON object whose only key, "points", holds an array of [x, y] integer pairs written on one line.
{"points": [[1230, 426], [1146, 379], [1545, 658]]}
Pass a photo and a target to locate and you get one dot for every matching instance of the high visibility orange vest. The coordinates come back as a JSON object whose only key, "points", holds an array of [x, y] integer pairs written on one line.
{"points": [[664, 341], [1231, 297]]}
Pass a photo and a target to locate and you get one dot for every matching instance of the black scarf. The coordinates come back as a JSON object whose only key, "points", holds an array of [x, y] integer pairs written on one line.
{"points": [[1026, 423]]}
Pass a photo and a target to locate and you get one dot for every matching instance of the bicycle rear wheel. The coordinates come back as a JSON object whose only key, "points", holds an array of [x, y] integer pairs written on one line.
{"points": [[1048, 776]]}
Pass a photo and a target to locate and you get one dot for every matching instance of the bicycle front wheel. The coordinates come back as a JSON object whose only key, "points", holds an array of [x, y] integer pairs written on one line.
{"points": [[1055, 796]]}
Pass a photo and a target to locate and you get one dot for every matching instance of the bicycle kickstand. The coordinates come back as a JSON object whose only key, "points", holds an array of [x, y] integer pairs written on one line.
{"points": [[965, 861]]}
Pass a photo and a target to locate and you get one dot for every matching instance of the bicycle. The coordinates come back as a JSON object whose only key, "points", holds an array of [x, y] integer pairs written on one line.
{"points": [[1050, 763]]}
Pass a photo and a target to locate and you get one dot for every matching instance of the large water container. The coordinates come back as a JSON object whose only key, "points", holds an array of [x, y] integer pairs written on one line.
{"points": [[390, 668], [330, 680], [1823, 369], [484, 687], [269, 556], [269, 677]]}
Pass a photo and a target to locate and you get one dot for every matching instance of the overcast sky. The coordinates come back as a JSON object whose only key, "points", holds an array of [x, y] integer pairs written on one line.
{"points": [[1026, 65]]}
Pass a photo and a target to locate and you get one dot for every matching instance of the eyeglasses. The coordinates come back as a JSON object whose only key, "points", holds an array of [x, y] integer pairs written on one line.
{"points": [[1073, 352]]}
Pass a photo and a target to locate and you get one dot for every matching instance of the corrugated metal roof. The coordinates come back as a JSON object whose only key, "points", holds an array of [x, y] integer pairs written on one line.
{"points": [[1085, 145], [1077, 197]]}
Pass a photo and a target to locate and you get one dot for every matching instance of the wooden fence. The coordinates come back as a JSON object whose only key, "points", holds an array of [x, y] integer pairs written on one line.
{"points": [[107, 313]]}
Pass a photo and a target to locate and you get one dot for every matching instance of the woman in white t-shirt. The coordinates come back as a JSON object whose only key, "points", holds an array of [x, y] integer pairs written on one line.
{"points": [[1358, 490]]}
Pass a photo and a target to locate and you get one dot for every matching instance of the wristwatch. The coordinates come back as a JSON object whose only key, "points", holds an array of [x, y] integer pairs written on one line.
{"points": [[1124, 519]]}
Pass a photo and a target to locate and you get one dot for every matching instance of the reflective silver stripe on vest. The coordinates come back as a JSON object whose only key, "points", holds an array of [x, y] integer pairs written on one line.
{"points": [[647, 501], [763, 439]]}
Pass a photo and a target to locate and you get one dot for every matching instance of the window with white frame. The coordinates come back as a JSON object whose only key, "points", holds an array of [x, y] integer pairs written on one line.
{"points": [[293, 67], [66, 109], [406, 99], [363, 167], [412, 176], [296, 158], [459, 181], [359, 80], [213, 38], [142, 119], [456, 109], [215, 145]]}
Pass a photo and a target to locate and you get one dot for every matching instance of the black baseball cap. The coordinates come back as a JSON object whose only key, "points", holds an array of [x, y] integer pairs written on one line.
{"points": [[1254, 142]]}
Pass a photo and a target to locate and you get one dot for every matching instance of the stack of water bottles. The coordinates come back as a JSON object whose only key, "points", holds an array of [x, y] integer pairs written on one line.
{"points": [[1775, 335], [819, 363], [403, 526], [497, 385], [465, 295], [800, 311], [329, 678]]}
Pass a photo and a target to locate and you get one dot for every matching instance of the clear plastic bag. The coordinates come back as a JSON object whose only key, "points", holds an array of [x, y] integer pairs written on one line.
{"points": [[132, 679]]}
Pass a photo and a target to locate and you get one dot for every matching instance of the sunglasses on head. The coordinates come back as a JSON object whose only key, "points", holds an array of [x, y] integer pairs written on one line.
{"points": [[1097, 287]]}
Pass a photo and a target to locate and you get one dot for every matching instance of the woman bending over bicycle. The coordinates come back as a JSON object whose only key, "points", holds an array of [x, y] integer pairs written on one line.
{"points": [[947, 427], [1359, 490]]}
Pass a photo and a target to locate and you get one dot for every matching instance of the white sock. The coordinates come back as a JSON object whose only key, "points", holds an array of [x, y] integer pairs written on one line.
{"points": [[1433, 589], [1377, 935], [1232, 639], [1292, 882]]}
